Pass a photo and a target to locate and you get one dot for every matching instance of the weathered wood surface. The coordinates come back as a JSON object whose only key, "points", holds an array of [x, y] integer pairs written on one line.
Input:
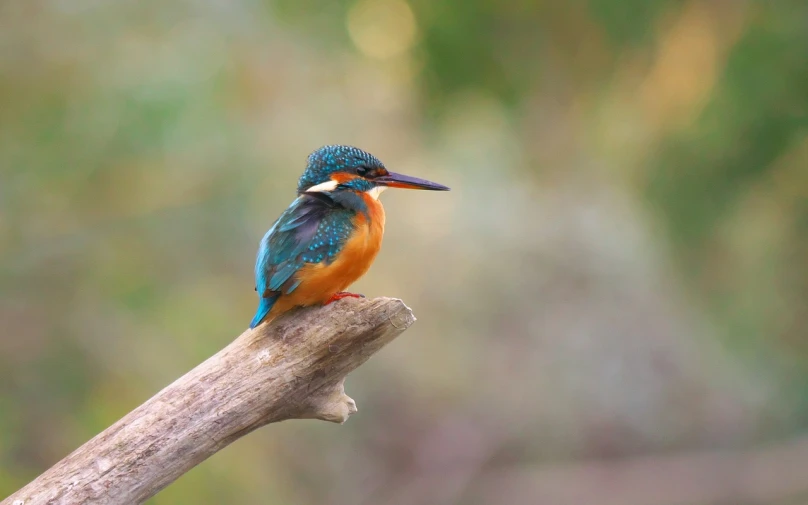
{"points": [[293, 368]]}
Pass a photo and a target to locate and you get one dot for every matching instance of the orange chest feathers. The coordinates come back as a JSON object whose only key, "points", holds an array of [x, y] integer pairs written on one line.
{"points": [[361, 249], [320, 281]]}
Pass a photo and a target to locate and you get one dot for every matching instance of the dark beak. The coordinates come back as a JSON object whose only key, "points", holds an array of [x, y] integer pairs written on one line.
{"points": [[394, 180]]}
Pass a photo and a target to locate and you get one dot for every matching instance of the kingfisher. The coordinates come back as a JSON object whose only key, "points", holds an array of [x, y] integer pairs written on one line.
{"points": [[329, 235]]}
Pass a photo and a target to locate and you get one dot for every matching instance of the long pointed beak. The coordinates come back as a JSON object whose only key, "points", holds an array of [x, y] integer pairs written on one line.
{"points": [[394, 180]]}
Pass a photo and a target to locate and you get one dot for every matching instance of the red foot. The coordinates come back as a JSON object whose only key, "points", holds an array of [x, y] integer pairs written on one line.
{"points": [[341, 295]]}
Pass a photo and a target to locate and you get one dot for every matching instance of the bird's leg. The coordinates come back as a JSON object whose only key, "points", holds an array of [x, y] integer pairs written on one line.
{"points": [[341, 295]]}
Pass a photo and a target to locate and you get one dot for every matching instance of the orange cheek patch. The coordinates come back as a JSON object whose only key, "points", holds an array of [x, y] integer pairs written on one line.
{"points": [[342, 177]]}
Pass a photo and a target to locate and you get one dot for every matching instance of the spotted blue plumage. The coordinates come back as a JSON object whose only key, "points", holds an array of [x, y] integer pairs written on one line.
{"points": [[313, 229], [316, 227], [329, 159]]}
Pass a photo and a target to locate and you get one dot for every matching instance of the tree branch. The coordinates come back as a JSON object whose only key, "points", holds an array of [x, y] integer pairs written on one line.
{"points": [[293, 368]]}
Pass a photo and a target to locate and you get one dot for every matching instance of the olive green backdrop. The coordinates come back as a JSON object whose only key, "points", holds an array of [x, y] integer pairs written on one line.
{"points": [[621, 268]]}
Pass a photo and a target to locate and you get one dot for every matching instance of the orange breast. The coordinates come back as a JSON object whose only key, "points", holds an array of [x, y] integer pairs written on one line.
{"points": [[318, 282]]}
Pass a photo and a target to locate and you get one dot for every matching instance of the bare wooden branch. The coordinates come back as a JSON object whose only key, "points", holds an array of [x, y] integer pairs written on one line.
{"points": [[293, 368]]}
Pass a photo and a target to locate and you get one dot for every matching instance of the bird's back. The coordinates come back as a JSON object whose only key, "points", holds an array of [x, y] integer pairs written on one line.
{"points": [[316, 249], [320, 280]]}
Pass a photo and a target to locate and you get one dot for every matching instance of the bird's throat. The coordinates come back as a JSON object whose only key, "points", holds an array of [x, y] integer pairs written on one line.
{"points": [[376, 192]]}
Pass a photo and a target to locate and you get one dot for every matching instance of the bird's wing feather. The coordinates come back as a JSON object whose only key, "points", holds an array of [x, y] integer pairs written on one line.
{"points": [[311, 230]]}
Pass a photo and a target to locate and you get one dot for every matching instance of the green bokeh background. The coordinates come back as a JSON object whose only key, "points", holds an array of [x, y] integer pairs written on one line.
{"points": [[621, 268]]}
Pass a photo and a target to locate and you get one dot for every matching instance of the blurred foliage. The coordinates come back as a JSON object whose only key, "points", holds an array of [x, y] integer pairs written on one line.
{"points": [[741, 167], [623, 257]]}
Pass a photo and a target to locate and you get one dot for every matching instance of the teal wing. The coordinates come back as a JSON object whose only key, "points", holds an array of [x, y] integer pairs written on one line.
{"points": [[312, 230]]}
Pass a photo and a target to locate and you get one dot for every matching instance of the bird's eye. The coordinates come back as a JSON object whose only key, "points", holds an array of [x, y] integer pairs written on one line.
{"points": [[362, 171]]}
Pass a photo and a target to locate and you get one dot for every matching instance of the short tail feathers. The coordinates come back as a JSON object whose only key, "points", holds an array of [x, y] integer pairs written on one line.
{"points": [[264, 306]]}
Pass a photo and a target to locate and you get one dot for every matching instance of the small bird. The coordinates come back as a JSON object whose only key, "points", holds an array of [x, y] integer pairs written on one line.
{"points": [[329, 235]]}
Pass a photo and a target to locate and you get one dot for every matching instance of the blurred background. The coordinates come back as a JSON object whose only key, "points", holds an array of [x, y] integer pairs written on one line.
{"points": [[612, 302]]}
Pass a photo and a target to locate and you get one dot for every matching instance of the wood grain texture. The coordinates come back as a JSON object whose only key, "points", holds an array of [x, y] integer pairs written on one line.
{"points": [[292, 368]]}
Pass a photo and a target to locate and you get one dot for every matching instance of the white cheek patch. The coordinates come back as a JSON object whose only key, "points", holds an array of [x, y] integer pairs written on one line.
{"points": [[376, 191], [325, 186]]}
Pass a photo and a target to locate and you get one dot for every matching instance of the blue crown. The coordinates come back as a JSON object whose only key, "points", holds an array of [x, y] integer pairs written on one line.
{"points": [[329, 159]]}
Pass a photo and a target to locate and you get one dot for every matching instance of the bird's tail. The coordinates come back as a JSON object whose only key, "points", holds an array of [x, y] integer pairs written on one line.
{"points": [[264, 306]]}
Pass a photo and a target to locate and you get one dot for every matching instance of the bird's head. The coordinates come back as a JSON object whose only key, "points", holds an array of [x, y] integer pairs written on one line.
{"points": [[343, 168]]}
